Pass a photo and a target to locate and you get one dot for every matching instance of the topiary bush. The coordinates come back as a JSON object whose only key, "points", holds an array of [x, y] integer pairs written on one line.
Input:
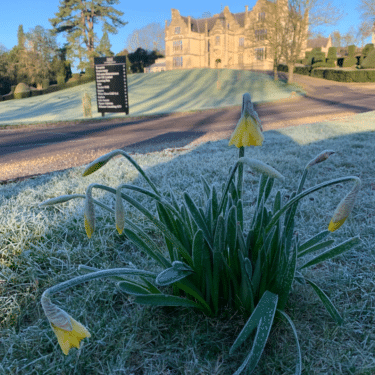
{"points": [[369, 61], [21, 91], [332, 57], [351, 59], [318, 57], [365, 52]]}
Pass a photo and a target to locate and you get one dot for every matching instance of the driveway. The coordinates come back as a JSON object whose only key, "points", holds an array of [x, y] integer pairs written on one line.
{"points": [[28, 151]]}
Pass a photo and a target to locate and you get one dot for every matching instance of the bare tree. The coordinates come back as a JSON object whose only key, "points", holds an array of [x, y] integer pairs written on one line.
{"points": [[351, 37], [364, 31], [367, 10], [288, 23], [150, 37]]}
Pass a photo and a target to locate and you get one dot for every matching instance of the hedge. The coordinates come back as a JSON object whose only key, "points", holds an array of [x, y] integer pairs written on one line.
{"points": [[345, 75], [338, 75], [55, 88]]}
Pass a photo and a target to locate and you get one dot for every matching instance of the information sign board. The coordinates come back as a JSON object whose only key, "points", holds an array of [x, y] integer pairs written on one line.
{"points": [[111, 84]]}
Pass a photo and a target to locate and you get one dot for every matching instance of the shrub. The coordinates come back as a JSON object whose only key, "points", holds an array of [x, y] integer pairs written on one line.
{"points": [[369, 61], [36, 92], [332, 57], [350, 76], [349, 62], [86, 104], [366, 50], [60, 79], [21, 91], [317, 73], [90, 72], [305, 70], [322, 65], [282, 68], [351, 59], [318, 57], [351, 50], [45, 83]]}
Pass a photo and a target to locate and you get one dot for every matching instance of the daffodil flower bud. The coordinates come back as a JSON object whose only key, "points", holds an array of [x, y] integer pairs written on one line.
{"points": [[344, 209], [119, 212], [99, 162], [68, 331], [320, 158], [261, 167], [248, 131], [89, 214]]}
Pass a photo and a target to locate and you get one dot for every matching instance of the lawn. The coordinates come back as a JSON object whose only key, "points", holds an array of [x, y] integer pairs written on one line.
{"points": [[43, 246], [154, 93]]}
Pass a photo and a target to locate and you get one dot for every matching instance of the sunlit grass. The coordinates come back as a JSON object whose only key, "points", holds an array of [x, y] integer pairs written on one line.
{"points": [[150, 94], [41, 247]]}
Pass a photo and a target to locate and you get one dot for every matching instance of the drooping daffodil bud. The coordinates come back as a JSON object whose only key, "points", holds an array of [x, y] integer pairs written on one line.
{"points": [[344, 208], [119, 212], [99, 162], [89, 213], [320, 158], [68, 331], [261, 167], [248, 131]]}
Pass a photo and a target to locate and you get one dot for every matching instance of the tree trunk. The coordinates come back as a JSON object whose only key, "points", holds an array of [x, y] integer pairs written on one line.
{"points": [[275, 74], [290, 73]]}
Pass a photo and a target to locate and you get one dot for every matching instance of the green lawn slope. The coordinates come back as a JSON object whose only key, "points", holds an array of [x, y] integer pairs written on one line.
{"points": [[154, 93]]}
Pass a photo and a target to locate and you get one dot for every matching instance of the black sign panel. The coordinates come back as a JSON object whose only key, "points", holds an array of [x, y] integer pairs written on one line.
{"points": [[111, 84]]}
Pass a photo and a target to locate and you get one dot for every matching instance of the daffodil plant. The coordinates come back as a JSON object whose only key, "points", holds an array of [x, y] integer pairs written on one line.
{"points": [[210, 261]]}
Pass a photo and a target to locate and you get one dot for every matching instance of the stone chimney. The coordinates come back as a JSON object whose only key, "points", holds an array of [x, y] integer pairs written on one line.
{"points": [[175, 13]]}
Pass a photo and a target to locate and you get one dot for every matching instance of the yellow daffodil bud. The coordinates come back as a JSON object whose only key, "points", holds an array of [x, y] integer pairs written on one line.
{"points": [[68, 331], [344, 209], [119, 212], [89, 214], [248, 131], [261, 167], [99, 162], [320, 158]]}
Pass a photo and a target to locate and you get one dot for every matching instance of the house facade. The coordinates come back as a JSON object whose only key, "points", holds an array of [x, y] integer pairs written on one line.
{"points": [[225, 40], [158, 66], [323, 43]]}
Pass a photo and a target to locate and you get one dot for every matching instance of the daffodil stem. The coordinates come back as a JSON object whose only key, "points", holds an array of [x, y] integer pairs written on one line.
{"points": [[241, 154], [96, 275]]}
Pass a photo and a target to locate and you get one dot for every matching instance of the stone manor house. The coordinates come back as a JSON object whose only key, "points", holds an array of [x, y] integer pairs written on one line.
{"points": [[225, 40]]}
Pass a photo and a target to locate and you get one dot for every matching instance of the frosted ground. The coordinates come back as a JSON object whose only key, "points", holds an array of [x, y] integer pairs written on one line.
{"points": [[154, 93], [41, 247]]}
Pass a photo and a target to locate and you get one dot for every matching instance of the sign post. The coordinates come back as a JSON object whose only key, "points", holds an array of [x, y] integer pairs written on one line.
{"points": [[111, 84]]}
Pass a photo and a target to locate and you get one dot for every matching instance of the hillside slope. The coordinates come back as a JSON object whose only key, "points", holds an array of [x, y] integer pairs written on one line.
{"points": [[164, 92]]}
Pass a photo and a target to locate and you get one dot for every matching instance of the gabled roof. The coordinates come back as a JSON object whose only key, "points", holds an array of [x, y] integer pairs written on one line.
{"points": [[198, 25], [317, 42]]}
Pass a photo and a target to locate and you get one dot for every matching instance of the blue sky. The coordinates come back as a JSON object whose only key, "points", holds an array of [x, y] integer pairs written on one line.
{"points": [[31, 13]]}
